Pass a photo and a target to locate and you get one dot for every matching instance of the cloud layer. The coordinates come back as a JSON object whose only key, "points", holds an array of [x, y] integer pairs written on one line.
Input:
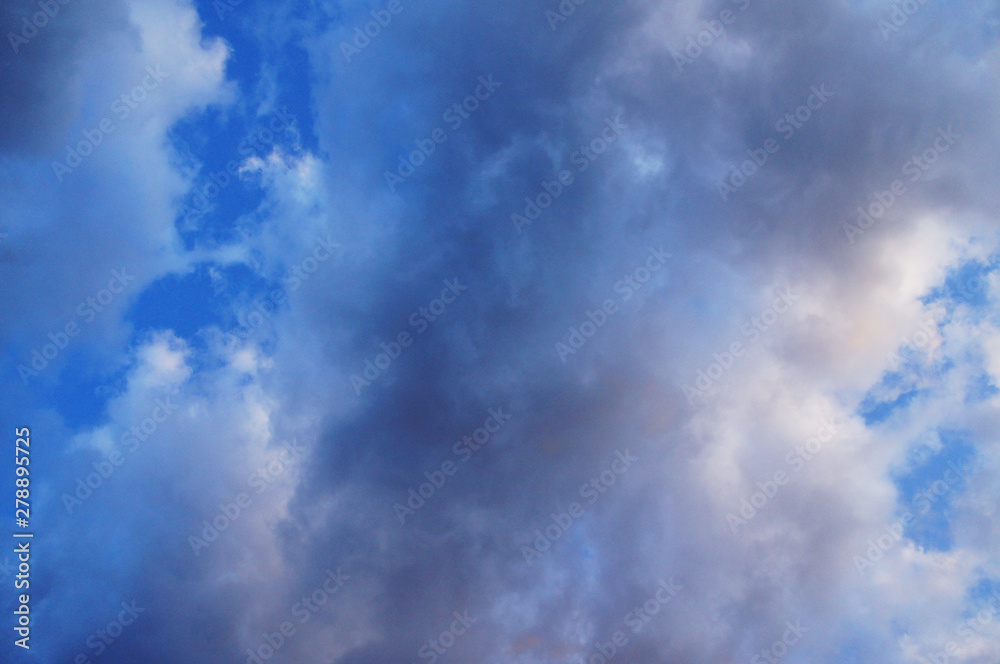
{"points": [[577, 332]]}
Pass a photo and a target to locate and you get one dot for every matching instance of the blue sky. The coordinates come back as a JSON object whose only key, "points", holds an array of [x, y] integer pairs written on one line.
{"points": [[356, 332]]}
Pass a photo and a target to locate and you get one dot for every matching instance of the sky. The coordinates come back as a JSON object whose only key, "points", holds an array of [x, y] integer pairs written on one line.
{"points": [[534, 332]]}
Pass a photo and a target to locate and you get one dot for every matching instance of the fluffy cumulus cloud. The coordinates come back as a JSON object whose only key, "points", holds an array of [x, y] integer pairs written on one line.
{"points": [[537, 331]]}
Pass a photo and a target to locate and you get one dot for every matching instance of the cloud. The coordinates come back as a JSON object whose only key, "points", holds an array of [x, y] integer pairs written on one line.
{"points": [[214, 512]]}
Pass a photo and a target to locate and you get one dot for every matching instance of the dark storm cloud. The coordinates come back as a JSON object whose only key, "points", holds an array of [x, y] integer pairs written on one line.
{"points": [[40, 69], [452, 216]]}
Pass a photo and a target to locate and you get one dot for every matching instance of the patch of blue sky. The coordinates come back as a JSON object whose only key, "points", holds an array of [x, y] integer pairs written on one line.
{"points": [[191, 302], [875, 412], [965, 284], [981, 388], [928, 484], [214, 143]]}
